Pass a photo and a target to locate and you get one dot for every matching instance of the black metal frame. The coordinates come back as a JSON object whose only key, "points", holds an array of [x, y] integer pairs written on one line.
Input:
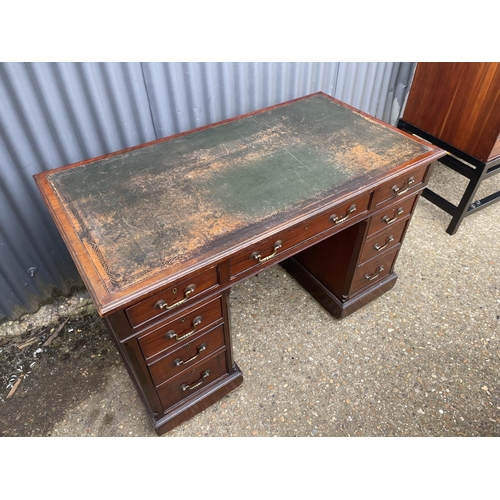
{"points": [[468, 166]]}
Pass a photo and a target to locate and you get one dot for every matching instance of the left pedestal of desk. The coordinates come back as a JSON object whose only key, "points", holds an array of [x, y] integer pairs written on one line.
{"points": [[181, 362]]}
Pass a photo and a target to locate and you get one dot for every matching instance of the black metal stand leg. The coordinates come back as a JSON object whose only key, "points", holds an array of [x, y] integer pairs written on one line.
{"points": [[467, 198]]}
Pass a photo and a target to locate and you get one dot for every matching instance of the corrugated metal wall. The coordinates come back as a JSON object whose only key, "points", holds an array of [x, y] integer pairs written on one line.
{"points": [[52, 114]]}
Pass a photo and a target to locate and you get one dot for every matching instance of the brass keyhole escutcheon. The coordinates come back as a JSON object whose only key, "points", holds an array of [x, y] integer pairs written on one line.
{"points": [[174, 290], [188, 346], [306, 226], [183, 320]]}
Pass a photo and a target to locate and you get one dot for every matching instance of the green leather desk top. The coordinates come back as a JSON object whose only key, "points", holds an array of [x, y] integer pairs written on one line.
{"points": [[158, 207]]}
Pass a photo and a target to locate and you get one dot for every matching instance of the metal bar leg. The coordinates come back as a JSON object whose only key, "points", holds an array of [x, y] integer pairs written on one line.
{"points": [[466, 201]]}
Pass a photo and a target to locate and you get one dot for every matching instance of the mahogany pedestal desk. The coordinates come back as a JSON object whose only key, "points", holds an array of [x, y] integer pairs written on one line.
{"points": [[162, 231]]}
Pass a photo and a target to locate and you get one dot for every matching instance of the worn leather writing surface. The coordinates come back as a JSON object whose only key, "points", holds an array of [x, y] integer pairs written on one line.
{"points": [[140, 212]]}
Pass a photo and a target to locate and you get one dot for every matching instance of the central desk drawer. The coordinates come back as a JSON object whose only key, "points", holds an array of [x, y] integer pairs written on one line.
{"points": [[183, 328], [193, 380], [169, 299], [269, 249]]}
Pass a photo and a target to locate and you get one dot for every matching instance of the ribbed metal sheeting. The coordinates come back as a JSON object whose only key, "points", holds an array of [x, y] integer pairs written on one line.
{"points": [[188, 95], [53, 114]]}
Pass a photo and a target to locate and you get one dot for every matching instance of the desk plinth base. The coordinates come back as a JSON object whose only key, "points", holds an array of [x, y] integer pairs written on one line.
{"points": [[200, 402], [327, 299]]}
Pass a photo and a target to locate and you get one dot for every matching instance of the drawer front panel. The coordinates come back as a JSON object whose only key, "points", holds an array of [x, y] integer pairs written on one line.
{"points": [[383, 241], [182, 329], [373, 271], [270, 248], [193, 380], [391, 215], [187, 355], [171, 298], [404, 184]]}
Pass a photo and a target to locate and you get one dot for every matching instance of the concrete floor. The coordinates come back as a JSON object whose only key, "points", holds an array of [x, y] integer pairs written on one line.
{"points": [[423, 360]]}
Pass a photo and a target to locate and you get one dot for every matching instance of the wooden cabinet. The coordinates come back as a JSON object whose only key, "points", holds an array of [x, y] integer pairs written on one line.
{"points": [[456, 106], [161, 233]]}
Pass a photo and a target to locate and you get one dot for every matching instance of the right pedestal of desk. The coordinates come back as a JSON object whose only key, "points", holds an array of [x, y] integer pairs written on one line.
{"points": [[355, 266]]}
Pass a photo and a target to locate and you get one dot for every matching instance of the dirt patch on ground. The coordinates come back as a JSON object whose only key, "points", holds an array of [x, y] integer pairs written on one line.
{"points": [[47, 378]]}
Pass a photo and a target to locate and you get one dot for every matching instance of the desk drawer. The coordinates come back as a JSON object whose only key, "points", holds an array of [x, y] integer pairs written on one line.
{"points": [[181, 329], [193, 380], [391, 215], [187, 355], [270, 248], [372, 271], [171, 298], [383, 241], [404, 184]]}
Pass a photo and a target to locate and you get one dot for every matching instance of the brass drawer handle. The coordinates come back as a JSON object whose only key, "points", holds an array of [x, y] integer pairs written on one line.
{"points": [[371, 277], [397, 190], [334, 218], [190, 387], [378, 248], [179, 361], [257, 256], [161, 304], [387, 220], [172, 335]]}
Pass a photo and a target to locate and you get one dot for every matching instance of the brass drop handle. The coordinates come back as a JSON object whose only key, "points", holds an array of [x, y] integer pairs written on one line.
{"points": [[388, 220], [398, 191], [172, 335], [378, 248], [161, 304], [179, 361], [204, 375], [375, 275], [335, 219], [258, 257]]}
